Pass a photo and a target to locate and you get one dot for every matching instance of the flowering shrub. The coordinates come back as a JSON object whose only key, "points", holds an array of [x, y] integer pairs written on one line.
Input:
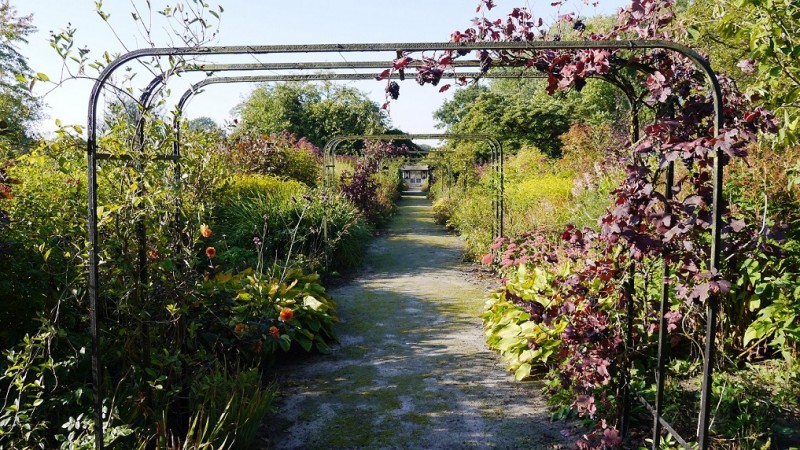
{"points": [[267, 311]]}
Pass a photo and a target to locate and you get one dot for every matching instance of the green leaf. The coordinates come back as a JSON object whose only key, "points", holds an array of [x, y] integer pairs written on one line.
{"points": [[311, 302], [323, 348], [285, 342], [752, 334], [313, 325], [304, 342], [524, 371]]}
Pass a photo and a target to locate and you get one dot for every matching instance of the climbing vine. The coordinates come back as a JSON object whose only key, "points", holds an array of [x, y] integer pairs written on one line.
{"points": [[644, 224]]}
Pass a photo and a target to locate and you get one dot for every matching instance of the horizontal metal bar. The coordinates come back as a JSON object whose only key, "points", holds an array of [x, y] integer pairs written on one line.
{"points": [[408, 137], [321, 65], [110, 157], [665, 424], [398, 46], [343, 77]]}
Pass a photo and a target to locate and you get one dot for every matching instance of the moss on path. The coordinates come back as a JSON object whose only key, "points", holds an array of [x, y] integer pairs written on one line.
{"points": [[412, 369]]}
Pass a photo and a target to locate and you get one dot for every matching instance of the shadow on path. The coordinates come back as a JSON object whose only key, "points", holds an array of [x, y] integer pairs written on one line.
{"points": [[412, 369]]}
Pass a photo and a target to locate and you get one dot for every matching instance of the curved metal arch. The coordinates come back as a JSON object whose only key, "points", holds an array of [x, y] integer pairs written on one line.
{"points": [[92, 158], [195, 88]]}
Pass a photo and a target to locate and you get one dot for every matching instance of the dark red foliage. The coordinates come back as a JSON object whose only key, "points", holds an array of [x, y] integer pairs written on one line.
{"points": [[361, 187], [641, 219]]}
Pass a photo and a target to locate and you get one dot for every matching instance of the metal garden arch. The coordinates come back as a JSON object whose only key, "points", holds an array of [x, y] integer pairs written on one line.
{"points": [[329, 151], [399, 49], [329, 163]]}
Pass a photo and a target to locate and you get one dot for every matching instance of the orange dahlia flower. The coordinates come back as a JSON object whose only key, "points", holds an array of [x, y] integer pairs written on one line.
{"points": [[205, 231], [286, 314], [273, 330], [211, 252]]}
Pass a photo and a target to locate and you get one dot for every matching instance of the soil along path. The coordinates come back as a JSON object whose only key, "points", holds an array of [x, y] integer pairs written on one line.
{"points": [[412, 369]]}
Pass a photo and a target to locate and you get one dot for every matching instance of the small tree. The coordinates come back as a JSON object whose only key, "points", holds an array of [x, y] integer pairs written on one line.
{"points": [[18, 107]]}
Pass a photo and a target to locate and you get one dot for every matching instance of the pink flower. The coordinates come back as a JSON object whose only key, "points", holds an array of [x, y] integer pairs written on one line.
{"points": [[487, 259]]}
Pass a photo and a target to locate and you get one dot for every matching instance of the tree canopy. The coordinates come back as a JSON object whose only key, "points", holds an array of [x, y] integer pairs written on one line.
{"points": [[756, 43], [521, 113], [18, 107], [317, 112]]}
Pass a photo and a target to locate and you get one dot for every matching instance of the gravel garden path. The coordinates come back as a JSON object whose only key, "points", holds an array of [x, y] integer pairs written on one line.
{"points": [[412, 369]]}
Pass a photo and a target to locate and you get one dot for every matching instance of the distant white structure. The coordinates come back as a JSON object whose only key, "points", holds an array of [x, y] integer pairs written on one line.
{"points": [[415, 176]]}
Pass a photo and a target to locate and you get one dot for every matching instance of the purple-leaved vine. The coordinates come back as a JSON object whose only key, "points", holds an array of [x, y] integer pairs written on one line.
{"points": [[642, 224]]}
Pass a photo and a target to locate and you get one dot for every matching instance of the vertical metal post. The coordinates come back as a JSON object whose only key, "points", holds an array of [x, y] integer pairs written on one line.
{"points": [[718, 202], [94, 263], [176, 153], [141, 233], [502, 188], [663, 349], [628, 290], [495, 192], [328, 187]]}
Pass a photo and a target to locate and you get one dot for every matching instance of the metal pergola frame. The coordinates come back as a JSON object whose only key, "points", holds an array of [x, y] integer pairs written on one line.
{"points": [[400, 49], [330, 148]]}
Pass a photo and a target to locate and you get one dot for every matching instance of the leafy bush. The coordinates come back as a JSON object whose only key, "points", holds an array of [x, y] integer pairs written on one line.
{"points": [[177, 327], [235, 399], [283, 217], [41, 244], [264, 311], [538, 204], [473, 219], [442, 210], [280, 155], [372, 189], [511, 325]]}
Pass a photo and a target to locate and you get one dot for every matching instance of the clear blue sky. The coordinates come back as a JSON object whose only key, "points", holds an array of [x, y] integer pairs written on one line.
{"points": [[269, 22]]}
